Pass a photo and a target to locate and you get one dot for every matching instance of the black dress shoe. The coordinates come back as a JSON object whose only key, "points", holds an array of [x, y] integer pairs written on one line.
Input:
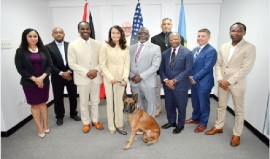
{"points": [[168, 125], [59, 122], [177, 129], [76, 118]]}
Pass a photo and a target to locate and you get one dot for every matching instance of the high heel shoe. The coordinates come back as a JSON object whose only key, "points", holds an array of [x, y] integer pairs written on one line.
{"points": [[47, 131], [42, 135]]}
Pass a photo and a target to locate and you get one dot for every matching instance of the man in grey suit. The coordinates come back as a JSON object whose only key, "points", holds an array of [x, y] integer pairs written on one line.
{"points": [[145, 59]]}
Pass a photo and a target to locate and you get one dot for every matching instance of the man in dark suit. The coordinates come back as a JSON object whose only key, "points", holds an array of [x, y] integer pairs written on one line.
{"points": [[162, 40], [61, 77], [202, 80], [175, 69]]}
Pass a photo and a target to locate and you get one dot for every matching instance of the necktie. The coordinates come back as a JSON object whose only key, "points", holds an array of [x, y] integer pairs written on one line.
{"points": [[196, 54], [166, 40], [172, 56], [138, 53]]}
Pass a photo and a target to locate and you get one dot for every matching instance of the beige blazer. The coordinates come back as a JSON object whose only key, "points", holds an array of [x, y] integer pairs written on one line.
{"points": [[114, 62], [237, 68], [82, 57]]}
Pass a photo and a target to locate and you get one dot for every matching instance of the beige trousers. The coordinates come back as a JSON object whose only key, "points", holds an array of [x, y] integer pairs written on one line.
{"points": [[238, 96], [89, 94], [118, 104]]}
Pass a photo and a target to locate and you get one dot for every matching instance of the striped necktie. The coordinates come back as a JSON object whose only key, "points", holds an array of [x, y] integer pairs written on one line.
{"points": [[138, 53], [172, 56]]}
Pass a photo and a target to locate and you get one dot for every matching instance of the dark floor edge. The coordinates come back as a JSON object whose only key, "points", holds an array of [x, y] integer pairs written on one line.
{"points": [[261, 136], [20, 124]]}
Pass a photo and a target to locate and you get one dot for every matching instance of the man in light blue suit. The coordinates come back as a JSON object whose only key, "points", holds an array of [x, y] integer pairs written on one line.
{"points": [[175, 69], [202, 80], [145, 58]]}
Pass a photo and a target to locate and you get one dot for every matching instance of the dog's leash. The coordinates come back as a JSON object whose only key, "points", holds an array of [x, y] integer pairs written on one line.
{"points": [[117, 129]]}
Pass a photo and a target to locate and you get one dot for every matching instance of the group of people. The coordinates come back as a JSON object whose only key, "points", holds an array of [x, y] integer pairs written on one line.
{"points": [[84, 63]]}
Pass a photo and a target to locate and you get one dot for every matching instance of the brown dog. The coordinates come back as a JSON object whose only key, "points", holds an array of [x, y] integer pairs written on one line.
{"points": [[140, 120]]}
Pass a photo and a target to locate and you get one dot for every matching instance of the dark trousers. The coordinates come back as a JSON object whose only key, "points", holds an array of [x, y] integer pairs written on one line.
{"points": [[58, 86], [176, 101]]}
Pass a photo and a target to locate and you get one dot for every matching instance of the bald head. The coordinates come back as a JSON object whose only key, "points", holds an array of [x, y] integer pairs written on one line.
{"points": [[143, 34], [175, 39], [58, 34]]}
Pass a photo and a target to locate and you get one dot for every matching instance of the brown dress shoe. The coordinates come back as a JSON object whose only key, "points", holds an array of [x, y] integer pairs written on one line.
{"points": [[200, 129], [191, 121], [235, 141], [86, 128], [98, 125], [213, 131]]}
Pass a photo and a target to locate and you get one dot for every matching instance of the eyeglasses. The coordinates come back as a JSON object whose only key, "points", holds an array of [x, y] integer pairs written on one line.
{"points": [[237, 31]]}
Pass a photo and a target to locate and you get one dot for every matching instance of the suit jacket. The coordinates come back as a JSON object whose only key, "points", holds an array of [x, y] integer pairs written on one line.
{"points": [[82, 58], [25, 68], [237, 68], [180, 69], [147, 65], [114, 62], [57, 59], [202, 70], [159, 40]]}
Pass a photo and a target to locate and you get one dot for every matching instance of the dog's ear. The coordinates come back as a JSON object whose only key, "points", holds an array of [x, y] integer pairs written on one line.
{"points": [[135, 97], [124, 95]]}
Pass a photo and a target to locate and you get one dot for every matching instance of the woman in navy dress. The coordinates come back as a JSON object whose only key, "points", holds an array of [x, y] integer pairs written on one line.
{"points": [[33, 63]]}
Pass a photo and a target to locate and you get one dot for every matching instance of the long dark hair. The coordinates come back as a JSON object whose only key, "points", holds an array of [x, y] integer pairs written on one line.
{"points": [[122, 40], [24, 44]]}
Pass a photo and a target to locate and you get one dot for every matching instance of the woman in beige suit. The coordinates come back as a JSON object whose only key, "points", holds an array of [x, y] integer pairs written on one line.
{"points": [[114, 60]]}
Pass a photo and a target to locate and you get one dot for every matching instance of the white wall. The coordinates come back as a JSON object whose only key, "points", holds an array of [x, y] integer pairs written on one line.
{"points": [[18, 15], [255, 15], [108, 13]]}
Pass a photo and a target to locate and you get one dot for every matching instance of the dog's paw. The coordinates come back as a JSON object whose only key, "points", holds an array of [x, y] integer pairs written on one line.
{"points": [[149, 143], [126, 147]]}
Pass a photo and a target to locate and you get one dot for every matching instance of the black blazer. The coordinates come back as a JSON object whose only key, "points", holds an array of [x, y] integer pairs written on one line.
{"points": [[57, 60], [25, 68], [159, 40]]}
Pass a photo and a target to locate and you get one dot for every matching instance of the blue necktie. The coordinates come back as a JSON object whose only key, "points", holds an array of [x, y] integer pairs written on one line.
{"points": [[196, 54]]}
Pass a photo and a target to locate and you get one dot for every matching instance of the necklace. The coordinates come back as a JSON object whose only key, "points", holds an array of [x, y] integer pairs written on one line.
{"points": [[33, 51]]}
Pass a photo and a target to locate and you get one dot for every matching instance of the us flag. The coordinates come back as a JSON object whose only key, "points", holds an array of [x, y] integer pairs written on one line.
{"points": [[137, 24]]}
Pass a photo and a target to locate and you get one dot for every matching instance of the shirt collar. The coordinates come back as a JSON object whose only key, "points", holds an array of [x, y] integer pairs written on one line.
{"points": [[84, 40], [61, 43], [176, 49], [139, 43]]}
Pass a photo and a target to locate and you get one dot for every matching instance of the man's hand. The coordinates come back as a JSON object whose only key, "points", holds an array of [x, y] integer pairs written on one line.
{"points": [[92, 74], [67, 76], [170, 83], [192, 80], [223, 84], [136, 79]]}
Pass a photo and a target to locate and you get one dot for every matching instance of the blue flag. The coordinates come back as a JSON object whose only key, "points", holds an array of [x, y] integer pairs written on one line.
{"points": [[182, 24], [137, 24]]}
